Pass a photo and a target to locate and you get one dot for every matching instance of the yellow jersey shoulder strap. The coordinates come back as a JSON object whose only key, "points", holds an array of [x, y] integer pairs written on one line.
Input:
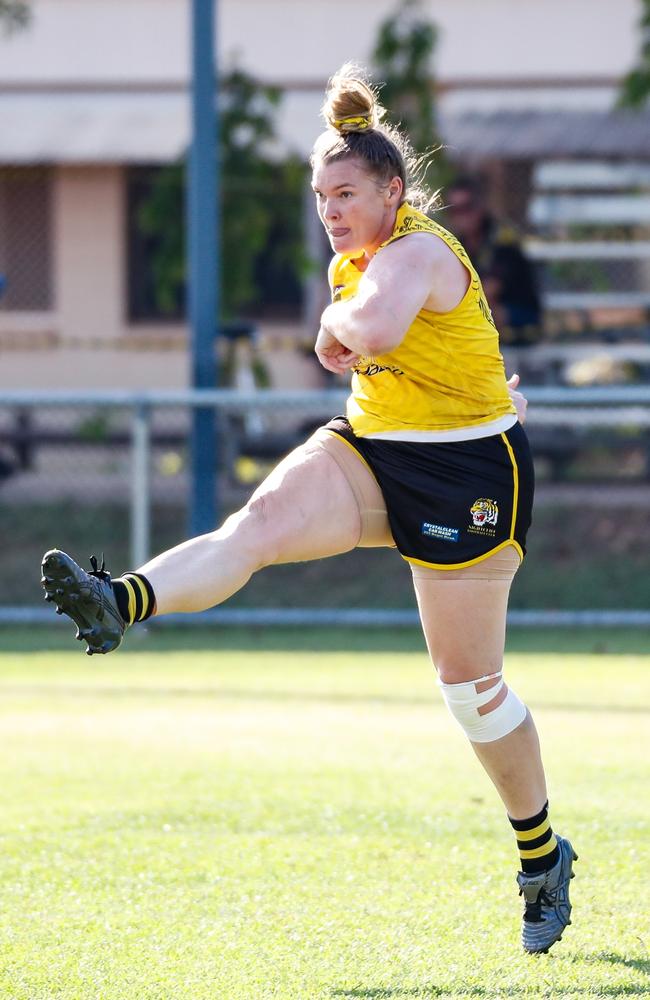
{"points": [[410, 220]]}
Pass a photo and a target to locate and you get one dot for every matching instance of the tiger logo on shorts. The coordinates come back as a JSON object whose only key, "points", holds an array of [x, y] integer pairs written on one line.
{"points": [[484, 511]]}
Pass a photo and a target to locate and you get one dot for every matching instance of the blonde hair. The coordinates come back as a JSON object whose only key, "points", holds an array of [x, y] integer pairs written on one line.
{"points": [[353, 115]]}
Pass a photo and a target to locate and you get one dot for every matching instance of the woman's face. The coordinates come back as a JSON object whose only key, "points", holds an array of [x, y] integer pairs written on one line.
{"points": [[357, 213]]}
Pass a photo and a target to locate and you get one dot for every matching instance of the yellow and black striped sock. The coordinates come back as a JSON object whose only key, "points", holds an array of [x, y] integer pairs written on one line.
{"points": [[536, 841], [135, 597]]}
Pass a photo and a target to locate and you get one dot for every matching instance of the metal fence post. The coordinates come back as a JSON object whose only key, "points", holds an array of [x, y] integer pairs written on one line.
{"points": [[202, 271], [140, 485]]}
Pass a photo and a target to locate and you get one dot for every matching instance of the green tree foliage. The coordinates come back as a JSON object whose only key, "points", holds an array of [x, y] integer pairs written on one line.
{"points": [[635, 90], [403, 61], [162, 217], [261, 204], [14, 14]]}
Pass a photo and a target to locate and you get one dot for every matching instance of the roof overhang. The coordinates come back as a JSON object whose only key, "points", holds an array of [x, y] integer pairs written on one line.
{"points": [[154, 127], [93, 127], [536, 135]]}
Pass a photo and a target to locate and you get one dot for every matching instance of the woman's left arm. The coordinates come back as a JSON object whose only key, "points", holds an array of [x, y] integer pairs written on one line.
{"points": [[518, 398]]}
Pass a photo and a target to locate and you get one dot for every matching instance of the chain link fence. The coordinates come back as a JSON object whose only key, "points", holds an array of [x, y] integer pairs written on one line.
{"points": [[107, 473]]}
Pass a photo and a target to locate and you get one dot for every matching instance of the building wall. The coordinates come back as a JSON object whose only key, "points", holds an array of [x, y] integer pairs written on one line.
{"points": [[497, 53], [294, 41], [89, 251], [85, 340], [477, 39], [490, 55]]}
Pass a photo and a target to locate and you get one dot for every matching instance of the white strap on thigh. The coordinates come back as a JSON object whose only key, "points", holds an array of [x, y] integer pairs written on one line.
{"points": [[486, 708]]}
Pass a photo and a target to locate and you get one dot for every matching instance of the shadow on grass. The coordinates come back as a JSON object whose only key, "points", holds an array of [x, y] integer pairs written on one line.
{"points": [[431, 992], [381, 993], [639, 964]]}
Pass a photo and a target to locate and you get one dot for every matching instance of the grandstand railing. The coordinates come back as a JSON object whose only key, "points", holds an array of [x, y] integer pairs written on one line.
{"points": [[611, 406]]}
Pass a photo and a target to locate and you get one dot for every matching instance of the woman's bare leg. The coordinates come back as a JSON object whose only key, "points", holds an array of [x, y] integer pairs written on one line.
{"points": [[305, 509], [464, 623]]}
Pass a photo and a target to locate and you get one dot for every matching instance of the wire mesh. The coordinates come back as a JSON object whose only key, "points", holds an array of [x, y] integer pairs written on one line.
{"points": [[67, 481]]}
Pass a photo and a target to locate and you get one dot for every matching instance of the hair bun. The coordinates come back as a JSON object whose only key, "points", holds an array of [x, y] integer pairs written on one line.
{"points": [[351, 104]]}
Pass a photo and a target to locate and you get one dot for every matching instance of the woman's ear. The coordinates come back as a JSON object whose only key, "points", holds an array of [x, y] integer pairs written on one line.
{"points": [[395, 189]]}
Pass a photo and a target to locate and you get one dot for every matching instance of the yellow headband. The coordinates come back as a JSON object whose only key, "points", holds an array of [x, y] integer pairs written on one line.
{"points": [[352, 124]]}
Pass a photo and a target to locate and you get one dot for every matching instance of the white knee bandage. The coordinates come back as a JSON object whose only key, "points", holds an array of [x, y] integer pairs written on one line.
{"points": [[485, 708]]}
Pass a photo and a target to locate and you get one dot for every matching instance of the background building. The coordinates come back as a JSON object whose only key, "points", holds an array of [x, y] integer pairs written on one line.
{"points": [[94, 112], [93, 100]]}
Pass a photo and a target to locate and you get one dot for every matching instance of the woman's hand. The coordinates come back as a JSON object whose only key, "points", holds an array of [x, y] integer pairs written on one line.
{"points": [[332, 354], [518, 398]]}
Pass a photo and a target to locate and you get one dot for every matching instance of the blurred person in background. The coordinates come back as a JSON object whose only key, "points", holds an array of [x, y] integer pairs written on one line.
{"points": [[431, 459], [507, 275]]}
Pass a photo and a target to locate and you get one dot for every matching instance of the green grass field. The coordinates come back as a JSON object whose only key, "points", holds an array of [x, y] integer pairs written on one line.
{"points": [[236, 816]]}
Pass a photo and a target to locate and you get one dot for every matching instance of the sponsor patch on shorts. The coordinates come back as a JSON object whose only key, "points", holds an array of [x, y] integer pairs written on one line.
{"points": [[440, 531]]}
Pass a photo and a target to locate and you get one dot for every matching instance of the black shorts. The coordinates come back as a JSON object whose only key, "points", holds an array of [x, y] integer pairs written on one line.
{"points": [[455, 503]]}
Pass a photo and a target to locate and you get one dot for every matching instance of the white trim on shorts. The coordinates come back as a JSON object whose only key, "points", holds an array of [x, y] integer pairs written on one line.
{"points": [[498, 426]]}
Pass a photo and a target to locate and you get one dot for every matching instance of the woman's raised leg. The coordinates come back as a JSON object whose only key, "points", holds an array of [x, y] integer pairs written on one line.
{"points": [[321, 500], [305, 509]]}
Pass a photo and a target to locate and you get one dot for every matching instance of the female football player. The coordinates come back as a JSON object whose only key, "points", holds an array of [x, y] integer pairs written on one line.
{"points": [[430, 458]]}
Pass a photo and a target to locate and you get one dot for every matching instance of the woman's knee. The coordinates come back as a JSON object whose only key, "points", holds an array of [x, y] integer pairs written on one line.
{"points": [[464, 624], [459, 669], [253, 530], [259, 529], [485, 708], [304, 510]]}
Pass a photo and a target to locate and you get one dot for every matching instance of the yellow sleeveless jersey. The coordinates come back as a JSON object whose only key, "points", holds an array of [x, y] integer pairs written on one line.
{"points": [[447, 374]]}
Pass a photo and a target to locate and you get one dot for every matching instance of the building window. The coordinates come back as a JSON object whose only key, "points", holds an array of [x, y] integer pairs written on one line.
{"points": [[143, 247], [25, 239], [155, 248]]}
